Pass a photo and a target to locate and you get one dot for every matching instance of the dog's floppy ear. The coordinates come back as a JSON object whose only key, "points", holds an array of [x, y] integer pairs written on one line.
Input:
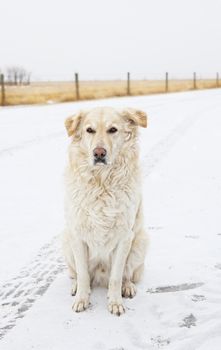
{"points": [[135, 117], [72, 123]]}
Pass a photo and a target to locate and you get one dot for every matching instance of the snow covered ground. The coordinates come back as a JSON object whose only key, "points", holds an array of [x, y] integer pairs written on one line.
{"points": [[178, 304]]}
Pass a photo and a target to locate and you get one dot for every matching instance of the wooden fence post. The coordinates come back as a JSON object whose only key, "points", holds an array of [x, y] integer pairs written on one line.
{"points": [[167, 82], [217, 79], [77, 86], [128, 83], [2, 84], [194, 80]]}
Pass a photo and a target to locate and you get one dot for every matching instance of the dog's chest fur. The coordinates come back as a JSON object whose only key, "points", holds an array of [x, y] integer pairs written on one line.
{"points": [[100, 210]]}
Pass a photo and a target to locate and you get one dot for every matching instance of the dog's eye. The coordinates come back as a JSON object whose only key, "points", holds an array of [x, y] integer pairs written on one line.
{"points": [[112, 130], [90, 130]]}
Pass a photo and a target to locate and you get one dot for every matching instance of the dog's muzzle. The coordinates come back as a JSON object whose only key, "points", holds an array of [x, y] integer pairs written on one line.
{"points": [[99, 155]]}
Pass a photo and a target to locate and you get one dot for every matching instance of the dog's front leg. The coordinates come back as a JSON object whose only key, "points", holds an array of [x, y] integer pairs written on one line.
{"points": [[83, 279], [115, 302]]}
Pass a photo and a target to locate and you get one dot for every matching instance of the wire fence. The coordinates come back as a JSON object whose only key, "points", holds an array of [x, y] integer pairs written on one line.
{"points": [[66, 91]]}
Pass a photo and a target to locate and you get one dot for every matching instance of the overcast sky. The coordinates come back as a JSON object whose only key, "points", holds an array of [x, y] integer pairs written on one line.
{"points": [[104, 39]]}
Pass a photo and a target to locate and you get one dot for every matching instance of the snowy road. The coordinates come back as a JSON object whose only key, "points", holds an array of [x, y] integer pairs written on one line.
{"points": [[178, 305]]}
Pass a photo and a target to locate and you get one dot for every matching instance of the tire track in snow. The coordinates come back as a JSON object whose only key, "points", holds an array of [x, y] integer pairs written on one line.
{"points": [[20, 293], [163, 147], [156, 154]]}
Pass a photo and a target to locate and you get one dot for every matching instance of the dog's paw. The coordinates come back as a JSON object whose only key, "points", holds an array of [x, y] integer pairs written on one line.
{"points": [[128, 289], [74, 287], [80, 304], [116, 308]]}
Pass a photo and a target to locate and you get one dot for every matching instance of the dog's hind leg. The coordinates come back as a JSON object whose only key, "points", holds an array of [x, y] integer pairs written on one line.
{"points": [[135, 262], [69, 258], [73, 276], [134, 266]]}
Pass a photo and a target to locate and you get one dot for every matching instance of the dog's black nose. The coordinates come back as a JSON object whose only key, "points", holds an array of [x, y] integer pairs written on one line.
{"points": [[99, 153]]}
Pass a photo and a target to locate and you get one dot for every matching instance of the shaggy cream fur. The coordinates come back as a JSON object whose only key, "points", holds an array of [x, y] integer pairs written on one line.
{"points": [[104, 241]]}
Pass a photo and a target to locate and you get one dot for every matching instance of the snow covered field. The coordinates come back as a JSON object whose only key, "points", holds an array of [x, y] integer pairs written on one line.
{"points": [[178, 304]]}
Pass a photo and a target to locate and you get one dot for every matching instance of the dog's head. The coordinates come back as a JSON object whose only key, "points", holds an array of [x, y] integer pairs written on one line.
{"points": [[104, 133]]}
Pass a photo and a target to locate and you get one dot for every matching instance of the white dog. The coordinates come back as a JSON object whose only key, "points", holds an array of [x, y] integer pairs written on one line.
{"points": [[104, 240]]}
